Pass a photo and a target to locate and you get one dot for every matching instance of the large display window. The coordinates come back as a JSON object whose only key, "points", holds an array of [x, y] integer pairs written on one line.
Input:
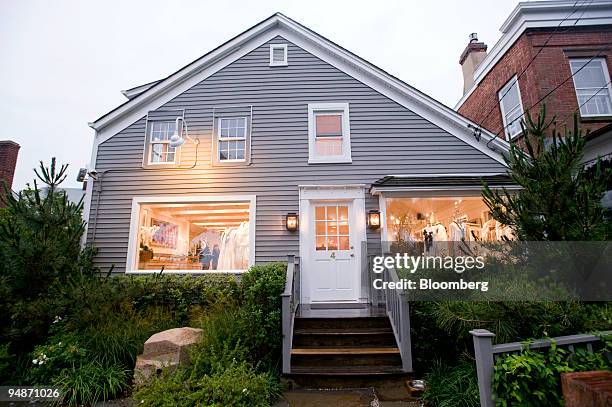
{"points": [[210, 236], [441, 219]]}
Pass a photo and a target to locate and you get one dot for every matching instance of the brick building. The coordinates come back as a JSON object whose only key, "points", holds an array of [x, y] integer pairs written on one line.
{"points": [[564, 49], [8, 160]]}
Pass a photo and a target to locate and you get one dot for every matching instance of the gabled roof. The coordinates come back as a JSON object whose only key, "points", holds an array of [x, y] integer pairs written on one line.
{"points": [[137, 90], [145, 98], [540, 14]]}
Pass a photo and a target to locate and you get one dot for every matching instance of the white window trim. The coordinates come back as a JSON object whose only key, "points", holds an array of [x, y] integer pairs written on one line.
{"points": [[220, 139], [285, 61], [314, 108], [604, 68], [131, 263], [500, 94], [149, 147]]}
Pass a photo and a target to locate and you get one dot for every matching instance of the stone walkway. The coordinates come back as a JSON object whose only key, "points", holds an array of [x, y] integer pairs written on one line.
{"points": [[345, 398]]}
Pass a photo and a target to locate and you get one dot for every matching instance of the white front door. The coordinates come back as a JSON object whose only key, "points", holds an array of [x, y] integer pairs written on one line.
{"points": [[334, 266]]}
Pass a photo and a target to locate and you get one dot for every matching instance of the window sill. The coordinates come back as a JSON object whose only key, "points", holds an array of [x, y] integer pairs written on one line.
{"points": [[196, 272], [160, 165], [601, 118], [340, 160], [277, 65], [232, 163]]}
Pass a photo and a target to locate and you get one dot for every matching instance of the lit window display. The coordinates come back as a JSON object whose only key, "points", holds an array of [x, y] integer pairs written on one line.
{"points": [[194, 236], [441, 219]]}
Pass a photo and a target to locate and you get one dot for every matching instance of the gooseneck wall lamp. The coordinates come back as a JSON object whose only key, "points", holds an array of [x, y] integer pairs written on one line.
{"points": [[177, 139]]}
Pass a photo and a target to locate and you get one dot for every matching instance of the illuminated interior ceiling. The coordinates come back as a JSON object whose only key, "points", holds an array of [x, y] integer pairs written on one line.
{"points": [[442, 207], [212, 215]]}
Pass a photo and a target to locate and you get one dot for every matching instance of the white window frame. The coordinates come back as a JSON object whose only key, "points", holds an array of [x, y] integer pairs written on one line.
{"points": [[284, 62], [137, 202], [150, 142], [500, 96], [606, 74], [222, 139], [313, 110]]}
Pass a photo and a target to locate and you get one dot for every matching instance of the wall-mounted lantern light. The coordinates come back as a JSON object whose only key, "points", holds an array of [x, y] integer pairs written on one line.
{"points": [[374, 219], [292, 222]]}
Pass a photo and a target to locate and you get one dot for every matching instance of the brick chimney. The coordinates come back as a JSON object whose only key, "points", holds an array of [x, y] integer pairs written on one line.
{"points": [[470, 58], [8, 160]]}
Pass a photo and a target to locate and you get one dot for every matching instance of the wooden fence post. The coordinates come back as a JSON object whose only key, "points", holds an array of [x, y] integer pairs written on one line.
{"points": [[483, 350]]}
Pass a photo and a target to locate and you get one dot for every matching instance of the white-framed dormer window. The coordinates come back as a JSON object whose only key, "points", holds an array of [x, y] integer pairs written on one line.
{"points": [[593, 88], [232, 139], [278, 55], [511, 107], [159, 150], [329, 136]]}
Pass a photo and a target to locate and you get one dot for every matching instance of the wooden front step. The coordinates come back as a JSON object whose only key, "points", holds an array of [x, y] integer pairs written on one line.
{"points": [[349, 370], [342, 323], [336, 344], [356, 337], [345, 351]]}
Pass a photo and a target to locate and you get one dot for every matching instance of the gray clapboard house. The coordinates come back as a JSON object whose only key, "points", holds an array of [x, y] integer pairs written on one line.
{"points": [[281, 143]]}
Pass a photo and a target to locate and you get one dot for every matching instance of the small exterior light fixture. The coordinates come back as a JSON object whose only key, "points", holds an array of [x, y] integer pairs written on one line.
{"points": [[292, 222], [177, 139], [374, 219]]}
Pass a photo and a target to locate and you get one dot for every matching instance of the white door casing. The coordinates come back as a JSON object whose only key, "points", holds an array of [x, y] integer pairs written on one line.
{"points": [[332, 231]]}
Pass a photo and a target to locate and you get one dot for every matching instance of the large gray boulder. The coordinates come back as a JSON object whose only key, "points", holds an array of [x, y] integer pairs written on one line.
{"points": [[165, 350]]}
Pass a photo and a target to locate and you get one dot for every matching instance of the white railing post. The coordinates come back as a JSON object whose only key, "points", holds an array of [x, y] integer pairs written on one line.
{"points": [[287, 315], [404, 328], [483, 351]]}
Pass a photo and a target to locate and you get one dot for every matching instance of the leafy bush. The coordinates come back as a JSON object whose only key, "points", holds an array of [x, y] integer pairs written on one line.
{"points": [[6, 359], [441, 329], [91, 381], [236, 361], [238, 384], [510, 321], [452, 385], [531, 378], [260, 310]]}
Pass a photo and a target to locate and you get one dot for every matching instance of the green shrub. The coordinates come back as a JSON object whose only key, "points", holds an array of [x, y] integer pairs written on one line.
{"points": [[452, 385], [62, 351], [236, 361], [39, 248], [6, 363], [510, 321], [238, 384], [89, 382], [532, 378], [119, 338], [260, 310], [220, 345]]}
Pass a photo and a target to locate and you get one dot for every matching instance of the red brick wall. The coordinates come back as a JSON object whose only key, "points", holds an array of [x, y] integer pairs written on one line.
{"points": [[8, 160], [549, 69]]}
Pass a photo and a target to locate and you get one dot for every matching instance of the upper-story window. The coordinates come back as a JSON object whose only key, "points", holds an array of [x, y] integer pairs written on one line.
{"points": [[592, 84], [329, 137], [278, 54], [232, 139], [159, 150], [511, 107]]}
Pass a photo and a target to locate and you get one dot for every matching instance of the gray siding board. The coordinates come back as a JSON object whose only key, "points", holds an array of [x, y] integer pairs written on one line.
{"points": [[386, 139]]}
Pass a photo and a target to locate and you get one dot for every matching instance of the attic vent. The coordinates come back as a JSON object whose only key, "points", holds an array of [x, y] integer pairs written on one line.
{"points": [[278, 55]]}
